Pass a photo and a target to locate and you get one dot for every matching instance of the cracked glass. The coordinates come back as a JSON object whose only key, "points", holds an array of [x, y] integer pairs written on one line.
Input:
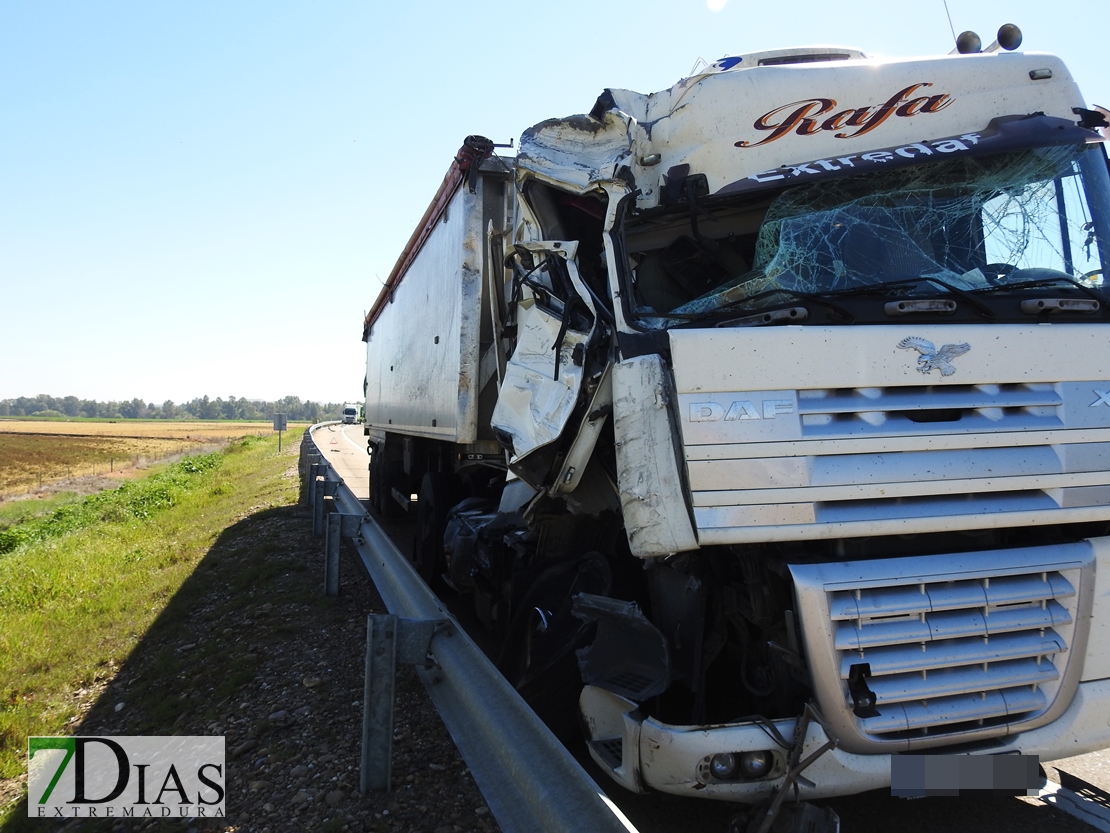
{"points": [[975, 224]]}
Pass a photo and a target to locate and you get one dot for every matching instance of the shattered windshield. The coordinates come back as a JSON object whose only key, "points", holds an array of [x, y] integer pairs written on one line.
{"points": [[987, 225]]}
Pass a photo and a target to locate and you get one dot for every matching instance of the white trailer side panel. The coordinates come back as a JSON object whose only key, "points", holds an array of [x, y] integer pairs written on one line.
{"points": [[422, 350]]}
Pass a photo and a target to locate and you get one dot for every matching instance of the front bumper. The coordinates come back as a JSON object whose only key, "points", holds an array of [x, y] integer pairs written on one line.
{"points": [[643, 754]]}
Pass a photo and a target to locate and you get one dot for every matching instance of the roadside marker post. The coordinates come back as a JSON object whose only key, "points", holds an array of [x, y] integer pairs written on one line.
{"points": [[280, 424]]}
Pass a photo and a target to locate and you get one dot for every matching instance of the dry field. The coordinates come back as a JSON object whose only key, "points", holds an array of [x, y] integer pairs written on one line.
{"points": [[136, 429], [36, 454]]}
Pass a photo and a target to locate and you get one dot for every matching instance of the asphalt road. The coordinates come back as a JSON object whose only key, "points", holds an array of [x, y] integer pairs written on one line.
{"points": [[345, 448], [1082, 784]]}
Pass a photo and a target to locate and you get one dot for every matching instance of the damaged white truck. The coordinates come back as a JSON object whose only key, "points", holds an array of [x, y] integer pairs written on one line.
{"points": [[767, 418]]}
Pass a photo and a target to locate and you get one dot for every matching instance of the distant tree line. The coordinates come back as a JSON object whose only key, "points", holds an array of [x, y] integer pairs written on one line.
{"points": [[295, 409]]}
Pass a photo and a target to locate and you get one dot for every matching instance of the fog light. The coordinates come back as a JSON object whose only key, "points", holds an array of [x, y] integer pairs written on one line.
{"points": [[723, 765], [756, 764]]}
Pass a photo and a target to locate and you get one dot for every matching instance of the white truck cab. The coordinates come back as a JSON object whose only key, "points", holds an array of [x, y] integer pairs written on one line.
{"points": [[775, 408]]}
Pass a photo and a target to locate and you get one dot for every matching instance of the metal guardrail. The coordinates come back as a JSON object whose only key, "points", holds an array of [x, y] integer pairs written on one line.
{"points": [[527, 777]]}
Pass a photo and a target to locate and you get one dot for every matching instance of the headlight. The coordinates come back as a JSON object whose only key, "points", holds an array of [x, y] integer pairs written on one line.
{"points": [[756, 764], [723, 765]]}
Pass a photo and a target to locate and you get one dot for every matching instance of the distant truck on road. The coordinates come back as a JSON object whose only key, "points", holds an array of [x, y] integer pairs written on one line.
{"points": [[768, 416], [350, 415]]}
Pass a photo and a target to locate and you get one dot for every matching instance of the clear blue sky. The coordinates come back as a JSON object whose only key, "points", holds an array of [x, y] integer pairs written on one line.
{"points": [[200, 198]]}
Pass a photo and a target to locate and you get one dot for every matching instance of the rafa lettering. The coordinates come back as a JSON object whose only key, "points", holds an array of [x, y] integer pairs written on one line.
{"points": [[811, 115]]}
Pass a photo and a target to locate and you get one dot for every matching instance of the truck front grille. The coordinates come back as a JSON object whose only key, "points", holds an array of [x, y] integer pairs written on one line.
{"points": [[948, 647], [844, 462], [925, 409]]}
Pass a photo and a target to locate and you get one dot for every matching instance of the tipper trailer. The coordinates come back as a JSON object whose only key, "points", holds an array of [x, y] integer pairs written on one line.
{"points": [[771, 413]]}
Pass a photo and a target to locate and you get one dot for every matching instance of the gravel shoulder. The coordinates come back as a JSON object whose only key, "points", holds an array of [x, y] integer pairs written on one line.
{"points": [[251, 649]]}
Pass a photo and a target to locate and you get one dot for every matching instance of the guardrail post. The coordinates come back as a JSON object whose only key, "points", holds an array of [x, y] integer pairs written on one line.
{"points": [[331, 554], [318, 501], [313, 473], [389, 640], [325, 490], [340, 525]]}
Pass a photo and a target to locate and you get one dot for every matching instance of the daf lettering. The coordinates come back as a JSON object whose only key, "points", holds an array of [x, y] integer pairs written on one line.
{"points": [[740, 409]]}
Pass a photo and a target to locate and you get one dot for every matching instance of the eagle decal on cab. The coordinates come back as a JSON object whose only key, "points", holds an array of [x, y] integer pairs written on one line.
{"points": [[931, 357]]}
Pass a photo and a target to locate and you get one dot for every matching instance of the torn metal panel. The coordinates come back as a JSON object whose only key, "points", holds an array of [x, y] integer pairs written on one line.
{"points": [[574, 464], [652, 496], [544, 375], [532, 407], [629, 656], [576, 152]]}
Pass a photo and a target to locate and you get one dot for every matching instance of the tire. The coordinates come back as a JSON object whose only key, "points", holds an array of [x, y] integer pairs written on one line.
{"points": [[438, 492], [544, 668], [393, 477], [375, 481]]}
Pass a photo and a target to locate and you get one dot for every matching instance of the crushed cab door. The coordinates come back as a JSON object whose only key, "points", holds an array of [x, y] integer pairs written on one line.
{"points": [[555, 319]]}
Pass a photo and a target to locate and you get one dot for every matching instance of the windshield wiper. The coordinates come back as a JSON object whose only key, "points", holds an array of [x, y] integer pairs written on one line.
{"points": [[963, 294], [881, 289], [840, 311], [1063, 279], [823, 299], [782, 315]]}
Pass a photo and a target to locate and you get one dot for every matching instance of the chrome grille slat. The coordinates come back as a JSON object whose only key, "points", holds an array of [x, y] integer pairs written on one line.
{"points": [[925, 397], [887, 601], [856, 412], [944, 711], [895, 659], [948, 624], [948, 681]]}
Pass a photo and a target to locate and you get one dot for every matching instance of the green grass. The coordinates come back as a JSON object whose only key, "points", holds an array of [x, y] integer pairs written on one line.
{"points": [[18, 511], [81, 585], [133, 501]]}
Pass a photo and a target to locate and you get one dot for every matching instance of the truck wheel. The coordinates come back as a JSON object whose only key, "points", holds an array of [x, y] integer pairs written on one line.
{"points": [[375, 482], [380, 496], [538, 657], [437, 496], [393, 477]]}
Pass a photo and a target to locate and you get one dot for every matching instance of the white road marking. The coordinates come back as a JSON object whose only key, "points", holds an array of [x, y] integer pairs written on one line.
{"points": [[1076, 805], [363, 447]]}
